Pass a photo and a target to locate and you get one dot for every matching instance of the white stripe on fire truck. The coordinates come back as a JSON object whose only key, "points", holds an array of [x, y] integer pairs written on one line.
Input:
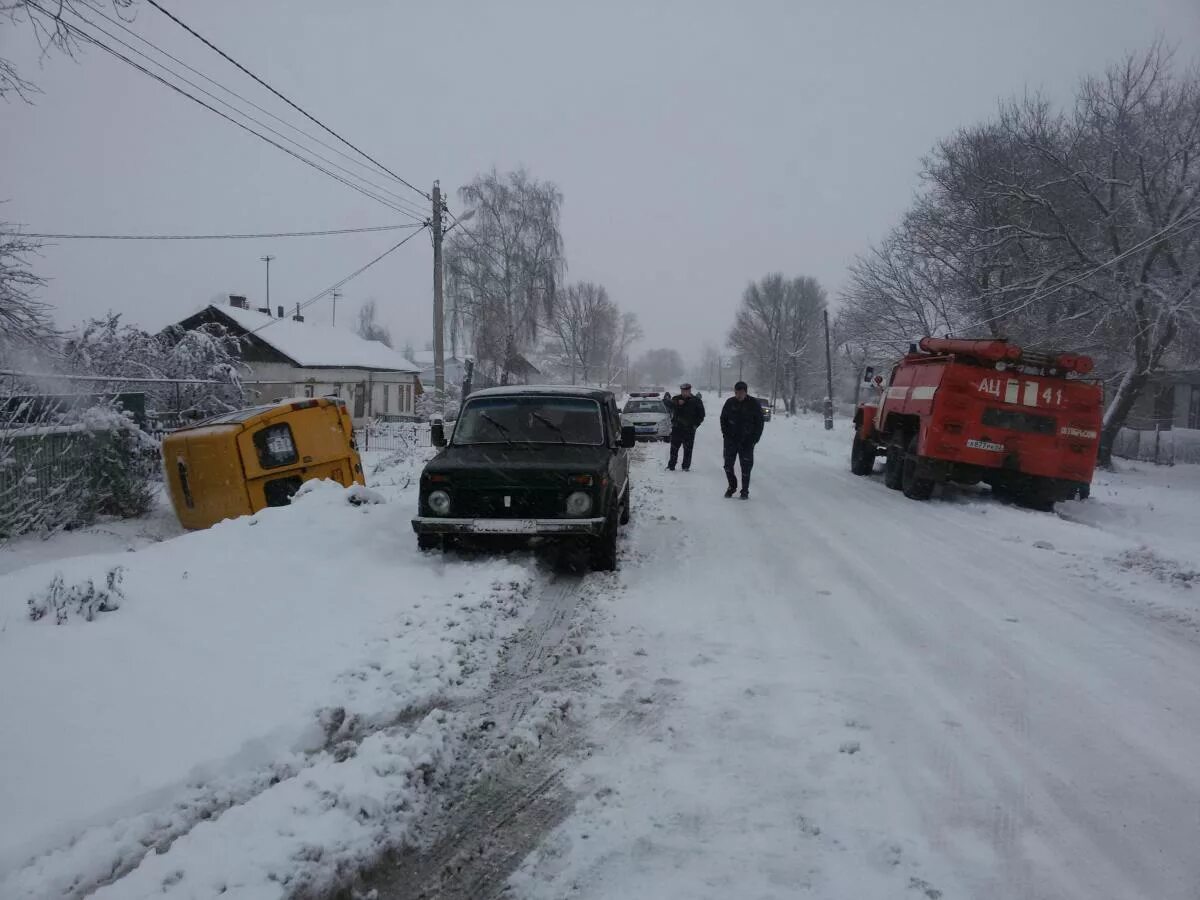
{"points": [[922, 393], [1011, 389], [897, 392], [1031, 393]]}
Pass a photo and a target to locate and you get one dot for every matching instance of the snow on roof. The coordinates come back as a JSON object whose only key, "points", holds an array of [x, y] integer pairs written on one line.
{"points": [[318, 346]]}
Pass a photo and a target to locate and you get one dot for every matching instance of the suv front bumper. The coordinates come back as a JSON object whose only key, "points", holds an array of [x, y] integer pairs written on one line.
{"points": [[531, 527]]}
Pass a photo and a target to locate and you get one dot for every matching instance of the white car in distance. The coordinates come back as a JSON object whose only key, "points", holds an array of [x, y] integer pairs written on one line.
{"points": [[649, 417]]}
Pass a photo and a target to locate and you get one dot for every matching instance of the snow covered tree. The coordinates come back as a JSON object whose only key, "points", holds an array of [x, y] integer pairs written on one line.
{"points": [[173, 358]]}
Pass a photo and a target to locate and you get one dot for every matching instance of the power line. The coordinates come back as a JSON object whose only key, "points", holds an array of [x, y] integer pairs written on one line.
{"points": [[395, 200], [215, 237], [298, 109], [333, 287], [93, 40], [355, 161]]}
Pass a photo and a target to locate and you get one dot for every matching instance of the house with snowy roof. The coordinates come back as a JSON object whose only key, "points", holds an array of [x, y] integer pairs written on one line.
{"points": [[288, 357]]}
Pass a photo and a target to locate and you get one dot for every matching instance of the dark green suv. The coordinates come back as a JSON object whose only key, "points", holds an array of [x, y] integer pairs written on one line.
{"points": [[546, 462]]}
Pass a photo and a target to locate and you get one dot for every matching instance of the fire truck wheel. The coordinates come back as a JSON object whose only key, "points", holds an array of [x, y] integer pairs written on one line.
{"points": [[894, 465], [862, 457], [914, 488]]}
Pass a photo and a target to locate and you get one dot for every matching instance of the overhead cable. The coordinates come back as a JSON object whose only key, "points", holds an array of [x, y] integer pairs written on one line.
{"points": [[294, 106]]}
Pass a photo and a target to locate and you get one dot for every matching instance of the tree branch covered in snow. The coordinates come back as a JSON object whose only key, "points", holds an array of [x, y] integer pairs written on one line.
{"points": [[107, 347]]}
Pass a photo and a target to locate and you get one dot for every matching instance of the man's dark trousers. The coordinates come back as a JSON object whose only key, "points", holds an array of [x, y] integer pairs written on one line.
{"points": [[682, 436], [743, 451]]}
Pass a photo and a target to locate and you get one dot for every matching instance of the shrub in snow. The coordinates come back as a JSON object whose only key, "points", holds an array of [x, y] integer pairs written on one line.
{"points": [[64, 469], [83, 600]]}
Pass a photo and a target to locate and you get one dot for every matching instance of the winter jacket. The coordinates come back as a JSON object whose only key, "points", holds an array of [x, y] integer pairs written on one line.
{"points": [[686, 412], [742, 421]]}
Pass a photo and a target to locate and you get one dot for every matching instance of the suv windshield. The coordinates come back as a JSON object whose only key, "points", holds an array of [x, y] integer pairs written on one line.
{"points": [[530, 420], [645, 406]]}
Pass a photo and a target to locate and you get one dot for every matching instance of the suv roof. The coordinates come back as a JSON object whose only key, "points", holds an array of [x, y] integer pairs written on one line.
{"points": [[546, 390]]}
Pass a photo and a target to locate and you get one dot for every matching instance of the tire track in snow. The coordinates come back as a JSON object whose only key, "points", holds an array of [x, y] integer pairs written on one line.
{"points": [[506, 806]]}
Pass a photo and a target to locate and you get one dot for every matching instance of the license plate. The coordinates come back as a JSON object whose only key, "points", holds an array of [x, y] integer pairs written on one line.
{"points": [[504, 526], [644, 429]]}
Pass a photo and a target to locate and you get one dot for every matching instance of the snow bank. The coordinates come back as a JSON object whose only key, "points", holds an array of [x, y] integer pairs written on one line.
{"points": [[258, 711]]}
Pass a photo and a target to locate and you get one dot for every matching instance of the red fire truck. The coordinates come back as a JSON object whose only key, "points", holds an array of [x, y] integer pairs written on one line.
{"points": [[1025, 423]]}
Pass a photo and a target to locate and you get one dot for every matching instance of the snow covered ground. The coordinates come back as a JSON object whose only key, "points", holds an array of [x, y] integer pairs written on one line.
{"points": [[252, 711], [828, 691], [834, 691]]}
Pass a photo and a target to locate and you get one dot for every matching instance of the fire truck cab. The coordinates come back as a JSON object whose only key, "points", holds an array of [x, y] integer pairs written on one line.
{"points": [[966, 411]]}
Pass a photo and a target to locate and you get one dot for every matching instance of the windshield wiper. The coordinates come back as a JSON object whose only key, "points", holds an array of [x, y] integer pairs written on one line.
{"points": [[548, 424], [500, 428]]}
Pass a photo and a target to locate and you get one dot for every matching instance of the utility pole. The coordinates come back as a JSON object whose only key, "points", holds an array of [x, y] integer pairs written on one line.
{"points": [[439, 347], [267, 259], [336, 295], [828, 377]]}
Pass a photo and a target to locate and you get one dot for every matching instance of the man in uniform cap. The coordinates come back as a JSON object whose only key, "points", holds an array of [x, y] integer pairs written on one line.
{"points": [[687, 412]]}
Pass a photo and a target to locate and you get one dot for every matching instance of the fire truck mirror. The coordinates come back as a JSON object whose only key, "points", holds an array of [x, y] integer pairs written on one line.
{"points": [[869, 373]]}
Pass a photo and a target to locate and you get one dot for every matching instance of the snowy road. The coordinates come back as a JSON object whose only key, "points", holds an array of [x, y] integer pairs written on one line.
{"points": [[863, 697]]}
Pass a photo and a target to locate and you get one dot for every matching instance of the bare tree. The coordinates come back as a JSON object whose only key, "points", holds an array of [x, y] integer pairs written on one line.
{"points": [[776, 330], [367, 325], [660, 366], [52, 26], [25, 324], [628, 332], [503, 270], [709, 361], [585, 321]]}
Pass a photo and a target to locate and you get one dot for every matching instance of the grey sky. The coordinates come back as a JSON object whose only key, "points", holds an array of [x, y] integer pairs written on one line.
{"points": [[698, 144]]}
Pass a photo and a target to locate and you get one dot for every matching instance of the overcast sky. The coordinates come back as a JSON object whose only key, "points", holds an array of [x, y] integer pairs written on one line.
{"points": [[699, 145]]}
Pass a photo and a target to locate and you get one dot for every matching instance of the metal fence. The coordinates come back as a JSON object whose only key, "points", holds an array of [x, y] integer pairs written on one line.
{"points": [[391, 437], [1161, 446]]}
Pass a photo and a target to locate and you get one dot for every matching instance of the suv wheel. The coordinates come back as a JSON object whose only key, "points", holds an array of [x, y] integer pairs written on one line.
{"points": [[625, 510], [604, 550]]}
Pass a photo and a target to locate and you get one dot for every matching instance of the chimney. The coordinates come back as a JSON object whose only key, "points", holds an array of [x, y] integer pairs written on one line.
{"points": [[280, 312], [238, 301], [297, 317], [265, 310]]}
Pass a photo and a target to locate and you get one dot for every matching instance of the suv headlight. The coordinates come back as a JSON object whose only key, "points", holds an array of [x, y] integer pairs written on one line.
{"points": [[579, 503], [439, 503]]}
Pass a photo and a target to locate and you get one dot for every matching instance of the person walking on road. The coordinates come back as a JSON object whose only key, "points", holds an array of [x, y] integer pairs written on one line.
{"points": [[687, 413], [741, 427]]}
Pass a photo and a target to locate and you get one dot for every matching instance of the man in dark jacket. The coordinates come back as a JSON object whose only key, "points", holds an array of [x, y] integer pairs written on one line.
{"points": [[687, 412], [741, 427]]}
